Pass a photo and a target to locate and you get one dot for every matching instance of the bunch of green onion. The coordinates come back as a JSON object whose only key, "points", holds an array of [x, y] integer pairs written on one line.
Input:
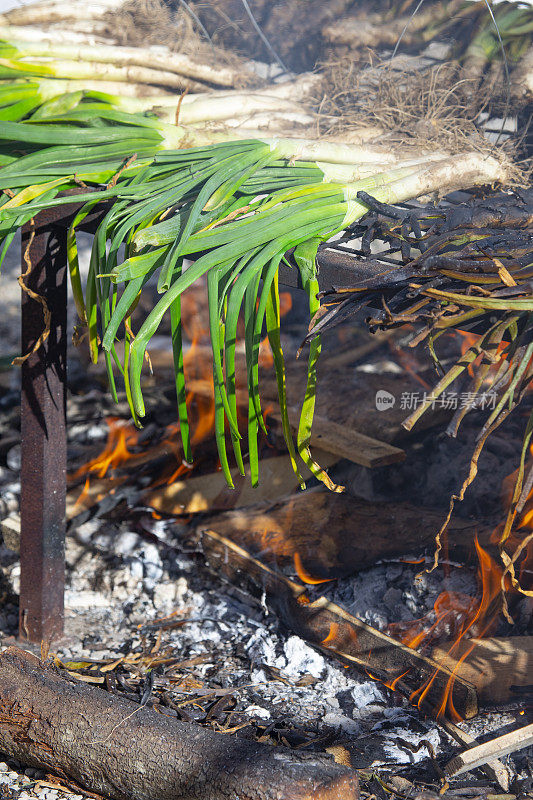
{"points": [[235, 207]]}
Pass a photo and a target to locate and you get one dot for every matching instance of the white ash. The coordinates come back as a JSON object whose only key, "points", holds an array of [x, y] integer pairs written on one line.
{"points": [[368, 693], [109, 599], [112, 592], [397, 592], [258, 712], [302, 659]]}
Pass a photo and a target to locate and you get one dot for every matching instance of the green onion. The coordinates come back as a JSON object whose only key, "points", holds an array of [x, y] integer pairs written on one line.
{"points": [[235, 205]]}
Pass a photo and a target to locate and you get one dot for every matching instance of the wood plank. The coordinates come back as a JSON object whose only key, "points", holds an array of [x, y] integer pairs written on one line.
{"points": [[495, 770], [496, 748], [340, 440], [345, 442], [210, 492]]}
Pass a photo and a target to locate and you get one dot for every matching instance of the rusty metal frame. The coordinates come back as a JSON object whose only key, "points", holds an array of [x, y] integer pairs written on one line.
{"points": [[43, 432], [43, 412], [43, 475]]}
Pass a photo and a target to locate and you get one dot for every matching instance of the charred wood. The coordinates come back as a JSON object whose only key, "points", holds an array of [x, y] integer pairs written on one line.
{"points": [[331, 532]]}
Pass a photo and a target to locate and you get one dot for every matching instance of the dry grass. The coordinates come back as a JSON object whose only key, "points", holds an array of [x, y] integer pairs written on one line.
{"points": [[414, 103]]}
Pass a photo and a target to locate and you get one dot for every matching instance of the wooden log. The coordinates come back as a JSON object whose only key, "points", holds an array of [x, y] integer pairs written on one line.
{"points": [[493, 665], [127, 752], [333, 630], [496, 748], [331, 532]]}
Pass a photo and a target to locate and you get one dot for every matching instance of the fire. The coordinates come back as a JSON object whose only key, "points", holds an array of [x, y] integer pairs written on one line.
{"points": [[285, 303], [83, 494], [486, 614], [304, 575], [332, 635], [121, 436], [517, 533], [393, 684], [409, 363], [266, 359], [468, 340], [340, 638], [449, 613], [464, 617], [200, 401]]}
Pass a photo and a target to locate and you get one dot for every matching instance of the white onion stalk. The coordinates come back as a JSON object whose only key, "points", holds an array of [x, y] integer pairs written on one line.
{"points": [[271, 97], [212, 107], [328, 151], [78, 70], [300, 88], [45, 13], [449, 174], [233, 109], [152, 58], [53, 34], [272, 123], [53, 87], [88, 27]]}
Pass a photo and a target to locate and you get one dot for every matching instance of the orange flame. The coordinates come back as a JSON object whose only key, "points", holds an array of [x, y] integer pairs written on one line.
{"points": [[473, 619], [120, 437], [332, 635], [304, 575], [83, 494], [197, 364], [517, 541], [468, 340], [409, 363]]}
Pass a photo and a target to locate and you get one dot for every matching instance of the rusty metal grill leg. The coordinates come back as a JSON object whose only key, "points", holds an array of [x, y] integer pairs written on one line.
{"points": [[43, 425]]}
